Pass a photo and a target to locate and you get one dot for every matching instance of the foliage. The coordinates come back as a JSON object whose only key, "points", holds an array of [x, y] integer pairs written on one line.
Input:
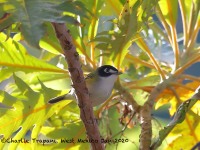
{"points": [[32, 26], [133, 36]]}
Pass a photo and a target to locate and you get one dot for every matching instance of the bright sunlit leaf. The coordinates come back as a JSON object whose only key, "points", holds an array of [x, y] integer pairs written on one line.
{"points": [[14, 57], [169, 9], [27, 111]]}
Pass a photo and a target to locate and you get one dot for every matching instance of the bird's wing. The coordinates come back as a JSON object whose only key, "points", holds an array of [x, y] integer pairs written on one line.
{"points": [[90, 76]]}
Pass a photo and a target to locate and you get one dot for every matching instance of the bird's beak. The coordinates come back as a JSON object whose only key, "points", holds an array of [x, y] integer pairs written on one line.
{"points": [[119, 73]]}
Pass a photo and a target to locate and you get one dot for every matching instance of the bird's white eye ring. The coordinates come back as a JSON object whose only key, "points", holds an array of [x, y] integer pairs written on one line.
{"points": [[107, 70]]}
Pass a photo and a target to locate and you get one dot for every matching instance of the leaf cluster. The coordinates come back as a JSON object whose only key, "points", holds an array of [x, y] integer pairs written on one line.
{"points": [[121, 33]]}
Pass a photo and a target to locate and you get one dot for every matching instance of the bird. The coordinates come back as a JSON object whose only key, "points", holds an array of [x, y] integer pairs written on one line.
{"points": [[100, 84]]}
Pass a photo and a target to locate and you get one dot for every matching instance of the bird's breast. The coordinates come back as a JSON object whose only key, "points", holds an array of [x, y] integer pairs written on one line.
{"points": [[99, 92]]}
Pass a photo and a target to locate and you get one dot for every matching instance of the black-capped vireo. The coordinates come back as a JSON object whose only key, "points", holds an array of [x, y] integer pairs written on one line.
{"points": [[99, 83]]}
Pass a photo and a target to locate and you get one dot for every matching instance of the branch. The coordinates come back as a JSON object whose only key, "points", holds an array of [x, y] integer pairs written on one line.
{"points": [[74, 66], [145, 113]]}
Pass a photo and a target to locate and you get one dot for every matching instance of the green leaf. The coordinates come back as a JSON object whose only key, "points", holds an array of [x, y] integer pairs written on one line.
{"points": [[27, 111], [52, 80], [33, 14], [112, 7], [169, 9], [7, 99], [102, 46], [101, 39], [134, 15], [14, 57], [23, 87], [76, 8], [75, 132], [5, 73], [50, 42]]}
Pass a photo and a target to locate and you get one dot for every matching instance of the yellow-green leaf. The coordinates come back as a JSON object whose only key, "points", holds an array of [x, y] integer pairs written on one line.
{"points": [[14, 55], [169, 9]]}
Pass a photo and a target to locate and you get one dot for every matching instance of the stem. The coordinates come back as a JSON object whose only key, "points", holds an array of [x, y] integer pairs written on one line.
{"points": [[93, 31], [178, 85], [175, 47], [128, 97], [190, 77], [171, 31], [191, 21], [184, 67], [139, 61], [194, 36], [164, 23], [184, 20], [147, 50]]}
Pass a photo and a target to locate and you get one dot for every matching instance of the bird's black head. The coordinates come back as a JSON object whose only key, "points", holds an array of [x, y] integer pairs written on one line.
{"points": [[107, 70]]}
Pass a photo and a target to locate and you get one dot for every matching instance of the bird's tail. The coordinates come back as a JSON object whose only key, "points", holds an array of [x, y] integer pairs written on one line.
{"points": [[56, 99], [60, 98]]}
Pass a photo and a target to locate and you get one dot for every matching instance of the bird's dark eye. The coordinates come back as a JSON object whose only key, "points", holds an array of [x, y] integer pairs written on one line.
{"points": [[107, 70]]}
